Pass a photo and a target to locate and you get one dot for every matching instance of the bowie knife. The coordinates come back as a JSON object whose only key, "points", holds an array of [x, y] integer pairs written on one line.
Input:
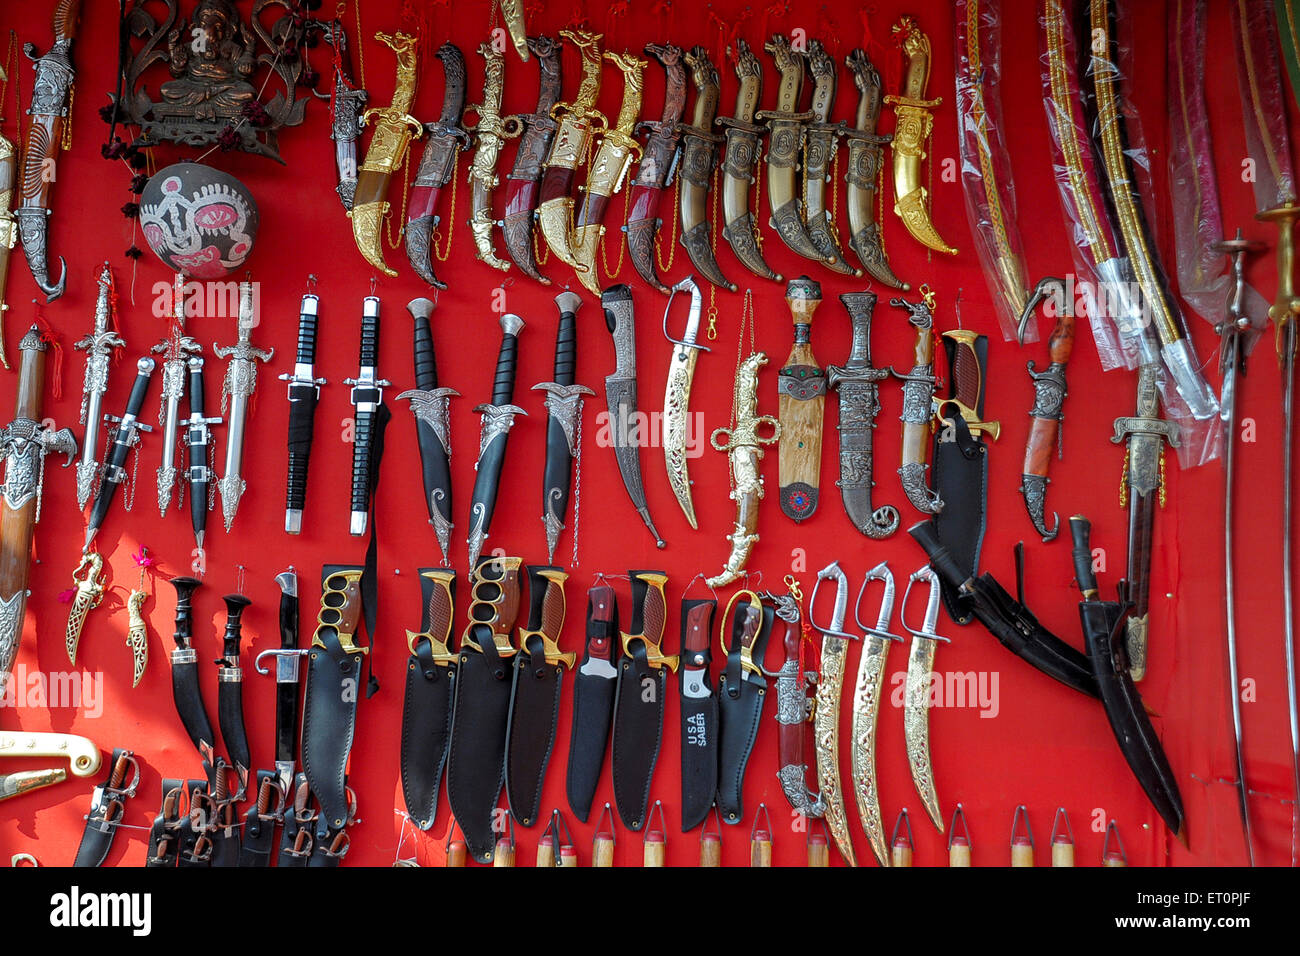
{"points": [[304, 393], [866, 156], [476, 759], [555, 206], [430, 690], [198, 442], [742, 690], [821, 143], [535, 695], [498, 419], [918, 401], [620, 398], [125, 435], [867, 696], [785, 147], [334, 685], [826, 716], [432, 425], [175, 350], [699, 707], [368, 400], [564, 416], [916, 702], [801, 387], [639, 698], [230, 695], [238, 388], [593, 701], [857, 384], [699, 156], [99, 346], [677, 397], [658, 165], [743, 149], [530, 159], [961, 467], [443, 139], [287, 688]]}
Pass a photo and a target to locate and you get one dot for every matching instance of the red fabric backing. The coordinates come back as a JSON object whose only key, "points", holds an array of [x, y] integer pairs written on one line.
{"points": [[1046, 747]]}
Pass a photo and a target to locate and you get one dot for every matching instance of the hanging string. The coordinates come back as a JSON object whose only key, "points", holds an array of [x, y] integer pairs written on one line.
{"points": [[52, 339]]}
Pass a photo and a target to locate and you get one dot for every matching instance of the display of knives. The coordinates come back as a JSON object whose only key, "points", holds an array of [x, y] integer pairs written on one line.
{"points": [[432, 425], [304, 393], [699, 710], [198, 444], [658, 165], [288, 690], [530, 159], [593, 700]]}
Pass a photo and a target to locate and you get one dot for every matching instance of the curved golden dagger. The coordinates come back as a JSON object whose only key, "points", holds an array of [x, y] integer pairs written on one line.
{"points": [[555, 199], [916, 703], [608, 170], [911, 199], [867, 695], [489, 133], [784, 149], [512, 11], [826, 716], [677, 396], [394, 127]]}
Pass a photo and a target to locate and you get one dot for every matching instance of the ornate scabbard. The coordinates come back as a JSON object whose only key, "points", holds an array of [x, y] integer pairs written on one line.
{"points": [[866, 162], [175, 352], [237, 389], [911, 199], [123, 436], [916, 702], [98, 346], [564, 417], [794, 709], [498, 419], [868, 693], [8, 228], [137, 635], [512, 11], [743, 446], [555, 211], [699, 155], [394, 127], [490, 132], [826, 716], [24, 443], [918, 396], [658, 163], [858, 386], [821, 141], [1146, 433], [432, 426], [443, 140], [534, 146], [607, 172], [801, 390], [345, 125], [88, 581], [677, 398], [1049, 397], [743, 137], [784, 150], [230, 695], [50, 113]]}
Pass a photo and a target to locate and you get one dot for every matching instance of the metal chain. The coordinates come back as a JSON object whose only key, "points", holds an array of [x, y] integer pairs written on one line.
{"points": [[758, 190], [128, 498], [1123, 482], [40, 478], [577, 483], [445, 251], [406, 189], [672, 243], [212, 473], [622, 246], [361, 46]]}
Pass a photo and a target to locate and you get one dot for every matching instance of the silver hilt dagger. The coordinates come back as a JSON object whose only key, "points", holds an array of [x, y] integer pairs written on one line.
{"points": [[98, 346], [241, 381], [176, 350]]}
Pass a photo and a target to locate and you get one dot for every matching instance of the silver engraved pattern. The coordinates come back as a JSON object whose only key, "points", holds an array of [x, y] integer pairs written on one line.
{"points": [[11, 628], [497, 420], [432, 409], [564, 404], [22, 450]]}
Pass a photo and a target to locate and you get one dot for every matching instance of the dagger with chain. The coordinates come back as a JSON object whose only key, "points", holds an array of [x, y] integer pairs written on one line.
{"points": [[175, 352], [530, 160], [658, 165]]}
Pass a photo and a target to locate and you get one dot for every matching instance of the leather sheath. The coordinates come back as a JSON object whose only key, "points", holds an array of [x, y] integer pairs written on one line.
{"points": [[594, 685], [1008, 619], [741, 694], [960, 472], [106, 809], [225, 835], [530, 734], [299, 823], [259, 828], [427, 702], [189, 704], [192, 853], [476, 761], [164, 833], [638, 731], [699, 712]]}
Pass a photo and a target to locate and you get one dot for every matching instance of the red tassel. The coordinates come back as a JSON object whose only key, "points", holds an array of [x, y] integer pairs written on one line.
{"points": [[142, 559], [49, 337], [66, 595]]}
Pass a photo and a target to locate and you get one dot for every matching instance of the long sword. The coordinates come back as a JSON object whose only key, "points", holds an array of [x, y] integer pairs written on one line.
{"points": [[98, 346]]}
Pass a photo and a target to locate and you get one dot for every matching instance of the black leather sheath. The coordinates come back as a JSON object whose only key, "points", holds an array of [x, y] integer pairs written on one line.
{"points": [[106, 809], [426, 732], [530, 733], [961, 475], [740, 708], [259, 828], [334, 682], [638, 731], [164, 833]]}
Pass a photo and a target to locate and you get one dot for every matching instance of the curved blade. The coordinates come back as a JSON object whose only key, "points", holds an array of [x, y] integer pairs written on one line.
{"points": [[826, 735], [866, 715], [916, 724]]}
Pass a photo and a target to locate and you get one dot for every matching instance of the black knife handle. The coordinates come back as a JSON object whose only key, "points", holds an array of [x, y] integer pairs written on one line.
{"points": [[426, 367], [307, 329], [302, 414], [566, 339], [235, 604], [184, 630], [1081, 533], [370, 333], [135, 402], [362, 438], [503, 383], [196, 386]]}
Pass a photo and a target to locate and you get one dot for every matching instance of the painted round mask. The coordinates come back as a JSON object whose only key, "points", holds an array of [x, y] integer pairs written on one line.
{"points": [[198, 220]]}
